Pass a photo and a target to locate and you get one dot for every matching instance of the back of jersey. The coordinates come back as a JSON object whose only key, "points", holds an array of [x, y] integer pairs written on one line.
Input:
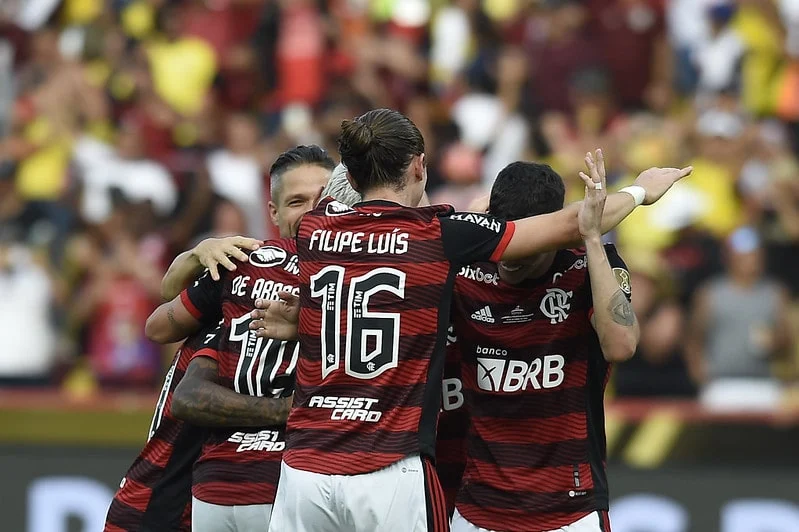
{"points": [[241, 465], [373, 280]]}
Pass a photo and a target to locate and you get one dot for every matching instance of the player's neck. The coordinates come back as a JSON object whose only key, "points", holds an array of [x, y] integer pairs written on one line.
{"points": [[389, 194]]}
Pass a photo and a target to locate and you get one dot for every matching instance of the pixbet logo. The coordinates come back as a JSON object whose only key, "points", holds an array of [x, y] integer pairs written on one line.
{"points": [[476, 274]]}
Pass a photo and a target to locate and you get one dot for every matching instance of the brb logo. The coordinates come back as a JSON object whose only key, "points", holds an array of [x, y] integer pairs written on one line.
{"points": [[556, 305], [495, 375]]}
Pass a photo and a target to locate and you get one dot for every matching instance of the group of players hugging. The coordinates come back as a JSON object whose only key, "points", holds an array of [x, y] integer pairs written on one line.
{"points": [[391, 365]]}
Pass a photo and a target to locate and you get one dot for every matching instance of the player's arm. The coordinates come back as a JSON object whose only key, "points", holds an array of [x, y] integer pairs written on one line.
{"points": [[201, 400], [472, 238], [171, 322], [208, 254], [199, 304], [613, 317], [558, 230]]}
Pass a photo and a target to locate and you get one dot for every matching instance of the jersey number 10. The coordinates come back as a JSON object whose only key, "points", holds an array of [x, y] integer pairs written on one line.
{"points": [[260, 360], [364, 327]]}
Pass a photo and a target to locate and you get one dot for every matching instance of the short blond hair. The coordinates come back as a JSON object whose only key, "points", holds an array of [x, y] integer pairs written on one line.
{"points": [[339, 188]]}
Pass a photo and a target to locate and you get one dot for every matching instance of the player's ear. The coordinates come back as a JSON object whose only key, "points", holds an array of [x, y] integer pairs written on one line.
{"points": [[419, 166], [273, 212]]}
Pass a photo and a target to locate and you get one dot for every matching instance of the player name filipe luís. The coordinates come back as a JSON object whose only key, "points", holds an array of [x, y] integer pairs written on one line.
{"points": [[354, 408], [395, 242]]}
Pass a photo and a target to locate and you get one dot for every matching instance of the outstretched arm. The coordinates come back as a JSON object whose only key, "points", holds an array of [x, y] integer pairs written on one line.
{"points": [[210, 254], [549, 232], [200, 400]]}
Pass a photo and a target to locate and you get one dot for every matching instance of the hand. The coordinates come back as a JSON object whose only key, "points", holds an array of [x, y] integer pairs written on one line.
{"points": [[276, 319], [657, 181], [212, 252], [589, 219]]}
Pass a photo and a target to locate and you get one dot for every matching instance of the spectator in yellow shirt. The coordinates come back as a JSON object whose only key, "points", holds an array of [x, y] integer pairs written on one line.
{"points": [[182, 68]]}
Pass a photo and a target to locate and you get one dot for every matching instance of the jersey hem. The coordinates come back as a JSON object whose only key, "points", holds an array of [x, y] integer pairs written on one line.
{"points": [[497, 524]]}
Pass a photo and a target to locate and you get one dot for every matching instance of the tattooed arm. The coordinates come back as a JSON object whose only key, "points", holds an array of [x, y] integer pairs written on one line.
{"points": [[201, 400], [171, 322], [613, 318]]}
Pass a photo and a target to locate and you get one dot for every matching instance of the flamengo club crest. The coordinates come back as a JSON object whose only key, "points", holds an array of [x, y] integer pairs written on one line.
{"points": [[556, 305]]}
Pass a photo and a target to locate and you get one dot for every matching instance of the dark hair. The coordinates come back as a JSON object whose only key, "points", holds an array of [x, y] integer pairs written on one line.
{"points": [[526, 189], [377, 148], [301, 155]]}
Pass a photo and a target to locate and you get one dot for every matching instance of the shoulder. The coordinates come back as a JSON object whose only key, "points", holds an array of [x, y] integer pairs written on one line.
{"points": [[485, 221], [274, 254], [329, 206]]}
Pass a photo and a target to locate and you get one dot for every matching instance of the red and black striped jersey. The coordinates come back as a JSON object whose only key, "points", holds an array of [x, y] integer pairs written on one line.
{"points": [[241, 465], [534, 377], [155, 494], [453, 425], [375, 289]]}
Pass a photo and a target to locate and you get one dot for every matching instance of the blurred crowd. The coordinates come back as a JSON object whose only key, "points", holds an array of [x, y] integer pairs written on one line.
{"points": [[130, 129]]}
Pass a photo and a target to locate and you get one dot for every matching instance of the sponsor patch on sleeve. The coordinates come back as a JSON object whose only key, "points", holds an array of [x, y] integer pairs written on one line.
{"points": [[623, 278], [268, 256]]}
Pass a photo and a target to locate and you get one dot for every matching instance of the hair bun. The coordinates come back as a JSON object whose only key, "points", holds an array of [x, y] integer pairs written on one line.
{"points": [[357, 137]]}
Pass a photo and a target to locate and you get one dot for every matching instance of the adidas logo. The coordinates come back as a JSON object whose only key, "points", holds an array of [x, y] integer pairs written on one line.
{"points": [[484, 314]]}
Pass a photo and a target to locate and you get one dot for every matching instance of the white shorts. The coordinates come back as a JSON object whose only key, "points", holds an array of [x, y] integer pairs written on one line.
{"points": [[403, 497], [207, 517], [590, 523]]}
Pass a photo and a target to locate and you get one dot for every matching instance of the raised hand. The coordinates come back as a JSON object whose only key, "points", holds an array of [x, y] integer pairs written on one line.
{"points": [[589, 217], [276, 319], [657, 181], [213, 252]]}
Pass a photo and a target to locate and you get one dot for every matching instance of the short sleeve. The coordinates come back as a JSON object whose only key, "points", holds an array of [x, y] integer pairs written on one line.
{"points": [[620, 272], [472, 237], [206, 342], [203, 299]]}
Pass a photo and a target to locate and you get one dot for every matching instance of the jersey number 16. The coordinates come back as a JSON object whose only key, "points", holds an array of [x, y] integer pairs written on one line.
{"points": [[364, 327]]}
